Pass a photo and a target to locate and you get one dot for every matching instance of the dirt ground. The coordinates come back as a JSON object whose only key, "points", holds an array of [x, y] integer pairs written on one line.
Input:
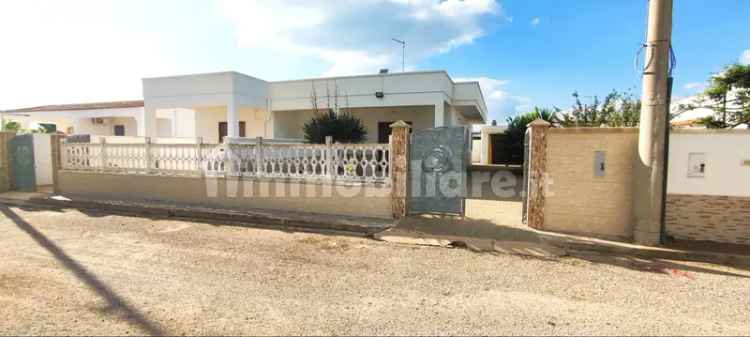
{"points": [[74, 273]]}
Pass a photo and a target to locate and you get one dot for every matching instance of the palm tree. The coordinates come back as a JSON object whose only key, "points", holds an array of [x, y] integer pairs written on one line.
{"points": [[513, 137]]}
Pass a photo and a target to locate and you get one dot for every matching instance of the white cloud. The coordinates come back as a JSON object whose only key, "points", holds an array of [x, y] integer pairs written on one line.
{"points": [[535, 21], [697, 86], [745, 57], [355, 37], [68, 52], [500, 103]]}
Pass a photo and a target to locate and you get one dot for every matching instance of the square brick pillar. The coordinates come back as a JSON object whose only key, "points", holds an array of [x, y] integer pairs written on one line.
{"points": [[399, 168], [537, 173], [5, 161], [56, 146]]}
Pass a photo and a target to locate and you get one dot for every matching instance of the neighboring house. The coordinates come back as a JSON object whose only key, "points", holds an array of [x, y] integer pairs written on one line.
{"points": [[104, 118], [488, 148], [232, 104], [483, 152], [692, 118]]}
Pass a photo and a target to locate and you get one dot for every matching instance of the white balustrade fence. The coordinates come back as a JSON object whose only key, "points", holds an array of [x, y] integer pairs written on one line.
{"points": [[365, 163]]}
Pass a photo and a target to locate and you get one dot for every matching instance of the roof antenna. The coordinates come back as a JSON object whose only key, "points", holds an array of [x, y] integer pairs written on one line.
{"points": [[403, 52]]}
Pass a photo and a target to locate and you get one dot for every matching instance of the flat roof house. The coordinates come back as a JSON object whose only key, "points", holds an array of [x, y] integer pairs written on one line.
{"points": [[232, 104]]}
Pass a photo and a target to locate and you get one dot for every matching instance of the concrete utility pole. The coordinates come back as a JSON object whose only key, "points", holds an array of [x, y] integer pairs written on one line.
{"points": [[648, 199]]}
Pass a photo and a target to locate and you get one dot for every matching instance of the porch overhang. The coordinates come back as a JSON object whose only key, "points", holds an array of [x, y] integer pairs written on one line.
{"points": [[469, 102], [470, 111]]}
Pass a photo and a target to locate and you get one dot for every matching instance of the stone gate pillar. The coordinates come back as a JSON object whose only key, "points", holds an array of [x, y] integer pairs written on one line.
{"points": [[399, 168], [56, 147], [5, 161], [537, 173]]}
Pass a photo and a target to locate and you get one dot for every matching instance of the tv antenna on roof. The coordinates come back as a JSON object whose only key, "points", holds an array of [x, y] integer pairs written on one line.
{"points": [[403, 51]]}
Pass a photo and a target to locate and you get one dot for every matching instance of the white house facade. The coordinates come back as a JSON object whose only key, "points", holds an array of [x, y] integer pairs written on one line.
{"points": [[214, 105]]}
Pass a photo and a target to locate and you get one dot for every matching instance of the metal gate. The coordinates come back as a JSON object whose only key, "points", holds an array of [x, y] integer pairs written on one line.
{"points": [[439, 162], [22, 162]]}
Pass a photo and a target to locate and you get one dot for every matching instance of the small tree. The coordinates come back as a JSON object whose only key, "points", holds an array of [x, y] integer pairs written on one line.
{"points": [[728, 95], [12, 126], [617, 110], [513, 137], [342, 126]]}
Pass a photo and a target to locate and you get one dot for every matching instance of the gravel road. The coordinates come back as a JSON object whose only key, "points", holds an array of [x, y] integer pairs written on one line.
{"points": [[66, 272]]}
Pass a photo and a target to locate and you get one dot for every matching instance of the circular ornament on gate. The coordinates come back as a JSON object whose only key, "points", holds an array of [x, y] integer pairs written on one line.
{"points": [[438, 160]]}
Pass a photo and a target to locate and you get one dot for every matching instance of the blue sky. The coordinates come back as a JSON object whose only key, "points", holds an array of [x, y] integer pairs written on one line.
{"points": [[524, 52]]}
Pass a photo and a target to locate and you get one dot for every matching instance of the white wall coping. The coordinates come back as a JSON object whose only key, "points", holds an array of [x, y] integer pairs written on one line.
{"points": [[407, 73], [712, 131]]}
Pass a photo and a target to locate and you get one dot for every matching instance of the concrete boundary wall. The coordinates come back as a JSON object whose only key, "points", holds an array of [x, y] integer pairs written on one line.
{"points": [[709, 218], [709, 186], [591, 187], [582, 180], [229, 193]]}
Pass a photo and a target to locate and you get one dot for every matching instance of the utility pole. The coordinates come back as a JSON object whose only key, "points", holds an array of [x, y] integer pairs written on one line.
{"points": [[403, 52], [649, 186]]}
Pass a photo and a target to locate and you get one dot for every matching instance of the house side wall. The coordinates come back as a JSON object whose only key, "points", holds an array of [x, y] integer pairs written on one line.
{"points": [[577, 200], [397, 89], [229, 194], [715, 205], [85, 126]]}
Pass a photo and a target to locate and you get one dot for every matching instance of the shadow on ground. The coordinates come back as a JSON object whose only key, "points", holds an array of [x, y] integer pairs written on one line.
{"points": [[489, 237], [480, 235], [115, 303], [290, 222]]}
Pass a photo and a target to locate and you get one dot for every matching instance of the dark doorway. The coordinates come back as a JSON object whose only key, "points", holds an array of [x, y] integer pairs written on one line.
{"points": [[48, 127], [119, 130], [223, 130], [384, 131], [504, 150]]}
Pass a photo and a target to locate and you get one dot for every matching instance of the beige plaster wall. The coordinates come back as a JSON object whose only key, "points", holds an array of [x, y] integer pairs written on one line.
{"points": [[370, 201], [288, 124], [207, 122], [577, 201], [108, 128]]}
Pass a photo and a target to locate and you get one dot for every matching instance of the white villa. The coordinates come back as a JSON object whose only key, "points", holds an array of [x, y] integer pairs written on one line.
{"points": [[214, 105]]}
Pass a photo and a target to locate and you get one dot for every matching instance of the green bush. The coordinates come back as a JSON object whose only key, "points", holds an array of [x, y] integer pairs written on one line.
{"points": [[343, 127]]}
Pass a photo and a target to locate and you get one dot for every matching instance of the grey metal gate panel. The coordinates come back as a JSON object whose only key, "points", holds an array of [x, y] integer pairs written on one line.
{"points": [[439, 163], [22, 160]]}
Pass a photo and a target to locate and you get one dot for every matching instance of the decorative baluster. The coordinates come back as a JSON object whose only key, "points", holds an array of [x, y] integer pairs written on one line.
{"points": [[199, 155], [260, 165], [329, 165], [147, 155], [103, 153]]}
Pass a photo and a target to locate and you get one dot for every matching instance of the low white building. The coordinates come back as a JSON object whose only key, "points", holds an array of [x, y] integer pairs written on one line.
{"points": [[232, 104], [104, 118]]}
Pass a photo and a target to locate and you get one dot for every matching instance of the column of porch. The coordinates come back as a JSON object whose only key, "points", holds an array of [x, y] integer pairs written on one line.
{"points": [[439, 114], [233, 121]]}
